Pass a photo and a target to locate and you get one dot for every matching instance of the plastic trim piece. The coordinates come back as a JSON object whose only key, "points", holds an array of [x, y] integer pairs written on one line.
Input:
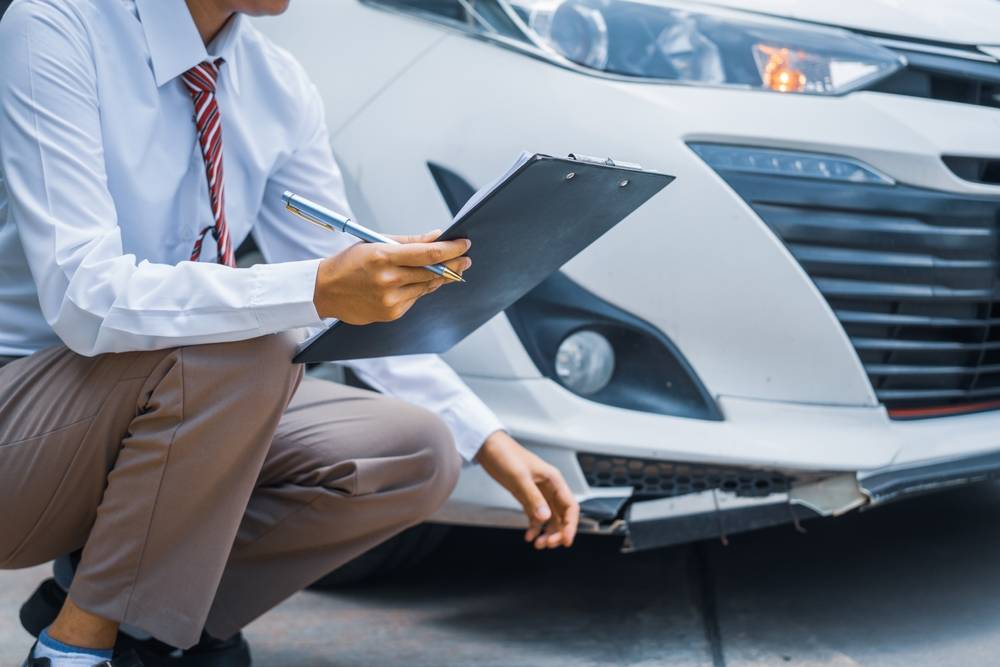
{"points": [[974, 169], [883, 487], [603, 509], [710, 514], [651, 374]]}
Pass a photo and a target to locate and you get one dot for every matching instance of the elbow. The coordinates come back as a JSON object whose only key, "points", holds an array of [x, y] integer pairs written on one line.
{"points": [[78, 330], [72, 339]]}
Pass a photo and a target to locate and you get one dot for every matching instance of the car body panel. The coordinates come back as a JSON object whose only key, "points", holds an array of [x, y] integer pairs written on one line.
{"points": [[720, 341], [696, 261]]}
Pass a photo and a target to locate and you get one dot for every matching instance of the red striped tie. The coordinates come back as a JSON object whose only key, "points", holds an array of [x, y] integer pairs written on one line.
{"points": [[200, 81]]}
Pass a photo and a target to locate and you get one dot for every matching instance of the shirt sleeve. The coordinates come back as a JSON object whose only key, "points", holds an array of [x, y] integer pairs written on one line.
{"points": [[424, 380], [96, 297]]}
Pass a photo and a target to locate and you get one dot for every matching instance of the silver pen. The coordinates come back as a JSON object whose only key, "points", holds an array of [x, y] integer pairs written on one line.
{"points": [[332, 222]]}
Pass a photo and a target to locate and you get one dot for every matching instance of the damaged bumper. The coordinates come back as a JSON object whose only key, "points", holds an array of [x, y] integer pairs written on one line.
{"points": [[716, 513], [890, 484]]}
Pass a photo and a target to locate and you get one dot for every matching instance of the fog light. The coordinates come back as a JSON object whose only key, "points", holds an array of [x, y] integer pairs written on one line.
{"points": [[585, 362]]}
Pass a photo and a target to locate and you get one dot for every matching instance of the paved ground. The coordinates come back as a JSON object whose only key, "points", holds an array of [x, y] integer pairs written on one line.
{"points": [[908, 585]]}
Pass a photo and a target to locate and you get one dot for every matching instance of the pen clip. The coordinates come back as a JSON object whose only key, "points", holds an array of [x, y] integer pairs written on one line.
{"points": [[308, 218]]}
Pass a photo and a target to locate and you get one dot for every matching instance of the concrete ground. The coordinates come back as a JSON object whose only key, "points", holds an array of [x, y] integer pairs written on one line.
{"points": [[909, 585]]}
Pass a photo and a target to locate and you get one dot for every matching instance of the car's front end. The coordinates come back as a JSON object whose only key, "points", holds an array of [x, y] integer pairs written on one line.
{"points": [[806, 321]]}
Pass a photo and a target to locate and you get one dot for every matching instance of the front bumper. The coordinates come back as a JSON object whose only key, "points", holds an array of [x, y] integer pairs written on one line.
{"points": [[718, 514], [837, 459]]}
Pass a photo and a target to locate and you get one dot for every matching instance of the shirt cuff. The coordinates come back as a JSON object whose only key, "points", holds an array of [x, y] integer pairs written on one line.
{"points": [[470, 422], [282, 296]]}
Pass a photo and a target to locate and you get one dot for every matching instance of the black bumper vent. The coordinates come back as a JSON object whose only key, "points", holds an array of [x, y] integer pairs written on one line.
{"points": [[975, 169], [664, 479], [912, 276]]}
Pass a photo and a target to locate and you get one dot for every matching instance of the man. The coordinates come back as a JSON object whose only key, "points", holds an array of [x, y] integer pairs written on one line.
{"points": [[149, 411]]}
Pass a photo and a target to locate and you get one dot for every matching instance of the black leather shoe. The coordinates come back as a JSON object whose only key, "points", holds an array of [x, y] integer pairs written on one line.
{"points": [[128, 659], [44, 604]]}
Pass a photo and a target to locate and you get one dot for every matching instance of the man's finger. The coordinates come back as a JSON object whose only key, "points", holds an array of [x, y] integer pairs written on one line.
{"points": [[422, 254], [412, 275], [564, 506], [534, 530], [552, 537], [408, 294], [416, 238], [532, 501], [571, 524], [550, 540], [536, 508]]}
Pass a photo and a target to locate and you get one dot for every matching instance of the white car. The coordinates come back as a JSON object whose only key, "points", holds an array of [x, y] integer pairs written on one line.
{"points": [[806, 322]]}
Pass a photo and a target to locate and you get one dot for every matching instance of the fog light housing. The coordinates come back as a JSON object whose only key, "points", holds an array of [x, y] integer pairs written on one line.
{"points": [[585, 362], [606, 355]]}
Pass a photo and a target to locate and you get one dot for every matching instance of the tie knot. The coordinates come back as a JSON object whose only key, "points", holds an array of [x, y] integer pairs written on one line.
{"points": [[202, 77]]}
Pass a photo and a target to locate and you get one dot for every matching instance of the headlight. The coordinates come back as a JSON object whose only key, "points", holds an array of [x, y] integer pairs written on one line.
{"points": [[668, 40]]}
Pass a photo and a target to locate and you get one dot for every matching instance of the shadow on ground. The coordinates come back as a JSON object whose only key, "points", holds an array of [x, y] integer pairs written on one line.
{"points": [[906, 584], [909, 584], [912, 583]]}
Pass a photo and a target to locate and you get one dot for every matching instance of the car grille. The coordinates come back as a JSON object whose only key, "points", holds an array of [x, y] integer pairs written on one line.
{"points": [[912, 276], [664, 479], [948, 78]]}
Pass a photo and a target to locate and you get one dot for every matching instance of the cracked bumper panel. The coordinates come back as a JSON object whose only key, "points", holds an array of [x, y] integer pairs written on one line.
{"points": [[895, 484]]}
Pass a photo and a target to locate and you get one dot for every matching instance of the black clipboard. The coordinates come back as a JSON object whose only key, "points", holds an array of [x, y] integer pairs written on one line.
{"points": [[541, 216]]}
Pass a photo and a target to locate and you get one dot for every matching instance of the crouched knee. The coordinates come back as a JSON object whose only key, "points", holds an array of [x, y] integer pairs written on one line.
{"points": [[270, 357], [431, 444], [258, 367]]}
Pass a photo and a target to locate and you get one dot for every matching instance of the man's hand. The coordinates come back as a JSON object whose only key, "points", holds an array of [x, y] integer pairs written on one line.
{"points": [[377, 282], [552, 511]]}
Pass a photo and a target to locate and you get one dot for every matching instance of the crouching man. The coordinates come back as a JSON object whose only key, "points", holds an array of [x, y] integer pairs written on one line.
{"points": [[149, 411]]}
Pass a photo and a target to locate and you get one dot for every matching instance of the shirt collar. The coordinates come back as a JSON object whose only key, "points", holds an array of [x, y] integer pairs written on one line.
{"points": [[175, 46], [224, 46]]}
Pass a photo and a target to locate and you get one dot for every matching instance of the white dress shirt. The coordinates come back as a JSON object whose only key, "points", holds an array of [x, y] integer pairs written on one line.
{"points": [[103, 192]]}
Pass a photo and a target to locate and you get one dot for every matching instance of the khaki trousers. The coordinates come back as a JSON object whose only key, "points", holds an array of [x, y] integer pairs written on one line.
{"points": [[205, 484]]}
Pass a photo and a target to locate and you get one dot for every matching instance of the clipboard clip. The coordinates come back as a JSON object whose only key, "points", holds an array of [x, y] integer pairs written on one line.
{"points": [[605, 162]]}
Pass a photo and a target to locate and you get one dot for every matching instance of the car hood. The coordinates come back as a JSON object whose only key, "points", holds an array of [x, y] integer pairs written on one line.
{"points": [[955, 21]]}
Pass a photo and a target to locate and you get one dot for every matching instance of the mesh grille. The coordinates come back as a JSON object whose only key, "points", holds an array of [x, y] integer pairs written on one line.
{"points": [[664, 479]]}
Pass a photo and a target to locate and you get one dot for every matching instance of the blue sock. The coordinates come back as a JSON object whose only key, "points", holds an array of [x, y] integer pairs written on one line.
{"points": [[64, 655]]}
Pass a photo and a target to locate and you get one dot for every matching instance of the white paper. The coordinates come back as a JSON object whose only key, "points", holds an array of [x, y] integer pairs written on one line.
{"points": [[485, 191]]}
